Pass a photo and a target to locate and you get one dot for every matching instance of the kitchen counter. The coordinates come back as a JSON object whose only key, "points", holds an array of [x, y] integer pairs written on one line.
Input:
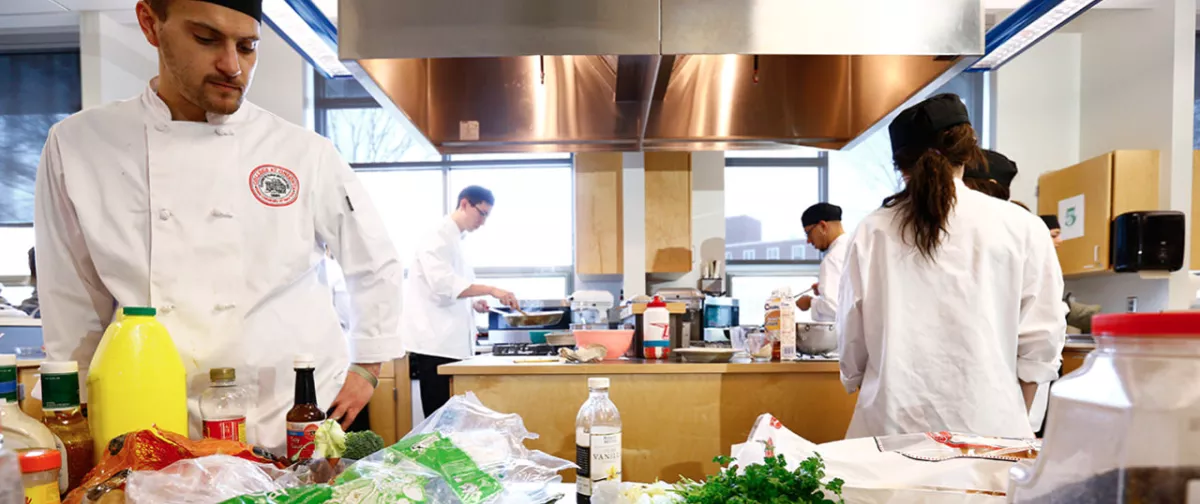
{"points": [[494, 365], [676, 416]]}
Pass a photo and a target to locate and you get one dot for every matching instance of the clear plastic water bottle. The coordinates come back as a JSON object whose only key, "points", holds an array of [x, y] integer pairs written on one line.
{"points": [[597, 441]]}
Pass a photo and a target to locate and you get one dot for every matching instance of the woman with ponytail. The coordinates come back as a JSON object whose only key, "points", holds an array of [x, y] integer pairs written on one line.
{"points": [[950, 308]]}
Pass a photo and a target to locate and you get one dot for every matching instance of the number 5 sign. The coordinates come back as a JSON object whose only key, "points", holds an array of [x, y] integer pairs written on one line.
{"points": [[1070, 217]]}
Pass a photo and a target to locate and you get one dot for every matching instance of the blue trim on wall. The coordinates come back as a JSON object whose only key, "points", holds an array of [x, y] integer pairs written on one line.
{"points": [[1019, 20]]}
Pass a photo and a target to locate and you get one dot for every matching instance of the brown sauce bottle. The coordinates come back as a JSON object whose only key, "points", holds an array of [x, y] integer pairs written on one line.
{"points": [[305, 416]]}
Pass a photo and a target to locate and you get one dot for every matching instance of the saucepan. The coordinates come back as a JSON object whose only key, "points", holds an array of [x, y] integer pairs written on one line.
{"points": [[815, 338], [531, 319]]}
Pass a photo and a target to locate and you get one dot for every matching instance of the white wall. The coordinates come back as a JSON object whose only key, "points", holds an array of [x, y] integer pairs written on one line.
{"points": [[1136, 85], [281, 80], [1036, 98], [115, 61]]}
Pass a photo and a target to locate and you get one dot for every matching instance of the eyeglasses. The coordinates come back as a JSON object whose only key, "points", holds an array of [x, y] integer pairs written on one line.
{"points": [[482, 213]]}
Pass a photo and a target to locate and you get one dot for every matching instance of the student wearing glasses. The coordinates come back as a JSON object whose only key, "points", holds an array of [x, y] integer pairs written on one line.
{"points": [[438, 326]]}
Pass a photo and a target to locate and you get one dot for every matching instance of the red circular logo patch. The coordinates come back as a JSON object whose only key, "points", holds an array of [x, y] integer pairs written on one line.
{"points": [[274, 185]]}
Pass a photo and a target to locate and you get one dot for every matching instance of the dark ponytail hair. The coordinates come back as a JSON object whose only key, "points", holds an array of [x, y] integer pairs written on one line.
{"points": [[928, 196]]}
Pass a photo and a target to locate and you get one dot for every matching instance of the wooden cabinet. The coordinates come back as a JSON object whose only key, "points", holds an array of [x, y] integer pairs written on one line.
{"points": [[1195, 235], [599, 229], [390, 408], [1109, 185], [668, 212]]}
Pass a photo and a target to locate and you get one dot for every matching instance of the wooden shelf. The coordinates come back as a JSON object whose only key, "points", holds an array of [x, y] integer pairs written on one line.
{"points": [[668, 212]]}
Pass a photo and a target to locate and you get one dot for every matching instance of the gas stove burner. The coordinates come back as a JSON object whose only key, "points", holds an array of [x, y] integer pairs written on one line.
{"points": [[524, 349]]}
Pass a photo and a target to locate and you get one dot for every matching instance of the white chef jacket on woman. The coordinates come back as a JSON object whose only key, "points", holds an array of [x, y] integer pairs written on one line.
{"points": [[436, 322], [221, 226], [824, 306], [940, 345]]}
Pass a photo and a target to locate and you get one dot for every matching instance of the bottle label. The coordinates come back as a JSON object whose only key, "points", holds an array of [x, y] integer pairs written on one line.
{"points": [[42, 494], [8, 383], [233, 429], [598, 456], [60, 391], [300, 437], [64, 472]]}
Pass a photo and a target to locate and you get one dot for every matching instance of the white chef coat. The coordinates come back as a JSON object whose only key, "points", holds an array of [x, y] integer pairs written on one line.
{"points": [[940, 345], [824, 306], [134, 209], [435, 321], [330, 274]]}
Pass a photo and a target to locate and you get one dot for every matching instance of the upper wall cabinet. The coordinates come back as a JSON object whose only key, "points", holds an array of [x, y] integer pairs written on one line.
{"points": [[668, 212], [1195, 211], [599, 224], [1088, 195]]}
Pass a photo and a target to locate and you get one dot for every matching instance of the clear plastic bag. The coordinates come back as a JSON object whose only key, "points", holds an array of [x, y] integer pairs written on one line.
{"points": [[205, 480], [463, 453], [494, 443]]}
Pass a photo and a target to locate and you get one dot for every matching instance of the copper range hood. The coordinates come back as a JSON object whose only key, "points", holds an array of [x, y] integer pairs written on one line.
{"points": [[585, 75]]}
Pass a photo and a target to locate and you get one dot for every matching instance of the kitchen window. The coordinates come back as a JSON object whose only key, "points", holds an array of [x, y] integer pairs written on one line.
{"points": [[41, 88], [797, 252], [527, 245], [765, 193]]}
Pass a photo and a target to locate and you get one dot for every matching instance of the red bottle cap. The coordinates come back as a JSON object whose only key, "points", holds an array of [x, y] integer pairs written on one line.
{"points": [[657, 302], [39, 460]]}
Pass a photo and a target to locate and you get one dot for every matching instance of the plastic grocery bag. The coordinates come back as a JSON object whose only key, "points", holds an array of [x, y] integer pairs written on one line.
{"points": [[206, 480], [463, 453], [873, 475]]}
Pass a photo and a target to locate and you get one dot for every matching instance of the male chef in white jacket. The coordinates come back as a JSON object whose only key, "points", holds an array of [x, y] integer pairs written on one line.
{"points": [[823, 224], [217, 213], [438, 326]]}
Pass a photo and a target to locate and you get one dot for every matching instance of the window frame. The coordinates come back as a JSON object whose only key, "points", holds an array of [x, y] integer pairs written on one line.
{"points": [[445, 164]]}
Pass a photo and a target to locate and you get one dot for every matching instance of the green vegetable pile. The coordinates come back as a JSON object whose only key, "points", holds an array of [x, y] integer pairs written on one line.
{"points": [[768, 483], [360, 445]]}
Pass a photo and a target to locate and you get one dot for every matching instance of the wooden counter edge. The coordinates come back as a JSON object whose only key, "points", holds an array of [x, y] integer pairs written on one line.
{"points": [[505, 366]]}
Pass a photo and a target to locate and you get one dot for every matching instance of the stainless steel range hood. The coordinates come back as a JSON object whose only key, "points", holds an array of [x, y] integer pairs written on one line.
{"points": [[584, 75]]}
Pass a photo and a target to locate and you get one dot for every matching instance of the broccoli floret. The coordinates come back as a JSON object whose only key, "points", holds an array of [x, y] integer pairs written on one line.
{"points": [[360, 445]]}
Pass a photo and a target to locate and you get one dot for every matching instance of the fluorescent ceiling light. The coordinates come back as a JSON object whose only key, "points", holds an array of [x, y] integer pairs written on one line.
{"points": [[315, 39], [1025, 26]]}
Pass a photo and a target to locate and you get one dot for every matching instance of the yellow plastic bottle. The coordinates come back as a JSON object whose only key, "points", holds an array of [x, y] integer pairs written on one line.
{"points": [[136, 380]]}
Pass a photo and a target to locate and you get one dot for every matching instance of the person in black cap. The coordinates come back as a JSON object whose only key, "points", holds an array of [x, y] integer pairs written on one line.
{"points": [[994, 177], [950, 309], [823, 224], [217, 213], [1055, 229]]}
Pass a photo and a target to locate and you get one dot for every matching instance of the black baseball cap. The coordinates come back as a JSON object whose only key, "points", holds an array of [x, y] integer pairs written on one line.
{"points": [[821, 212], [252, 8], [918, 125], [999, 168]]}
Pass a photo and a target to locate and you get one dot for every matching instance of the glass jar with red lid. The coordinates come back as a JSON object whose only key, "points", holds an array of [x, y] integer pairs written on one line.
{"points": [[1125, 426]]}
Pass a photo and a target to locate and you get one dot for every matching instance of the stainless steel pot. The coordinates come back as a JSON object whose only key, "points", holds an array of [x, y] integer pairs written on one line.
{"points": [[816, 338]]}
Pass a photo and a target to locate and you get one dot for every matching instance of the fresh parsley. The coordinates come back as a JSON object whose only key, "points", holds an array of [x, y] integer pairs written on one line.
{"points": [[767, 483]]}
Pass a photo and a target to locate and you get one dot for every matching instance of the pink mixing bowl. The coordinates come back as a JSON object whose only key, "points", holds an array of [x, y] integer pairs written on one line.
{"points": [[617, 341]]}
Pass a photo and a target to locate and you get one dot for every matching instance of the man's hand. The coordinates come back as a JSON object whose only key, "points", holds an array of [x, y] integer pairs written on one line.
{"points": [[804, 303], [481, 306], [506, 298], [817, 289], [354, 396]]}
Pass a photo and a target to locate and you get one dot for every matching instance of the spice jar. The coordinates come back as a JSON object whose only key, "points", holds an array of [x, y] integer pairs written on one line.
{"points": [[39, 473], [1125, 426]]}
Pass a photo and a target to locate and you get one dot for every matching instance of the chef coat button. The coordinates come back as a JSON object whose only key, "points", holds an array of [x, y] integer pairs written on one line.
{"points": [[224, 131], [164, 214], [217, 212], [162, 128], [168, 308], [225, 306]]}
